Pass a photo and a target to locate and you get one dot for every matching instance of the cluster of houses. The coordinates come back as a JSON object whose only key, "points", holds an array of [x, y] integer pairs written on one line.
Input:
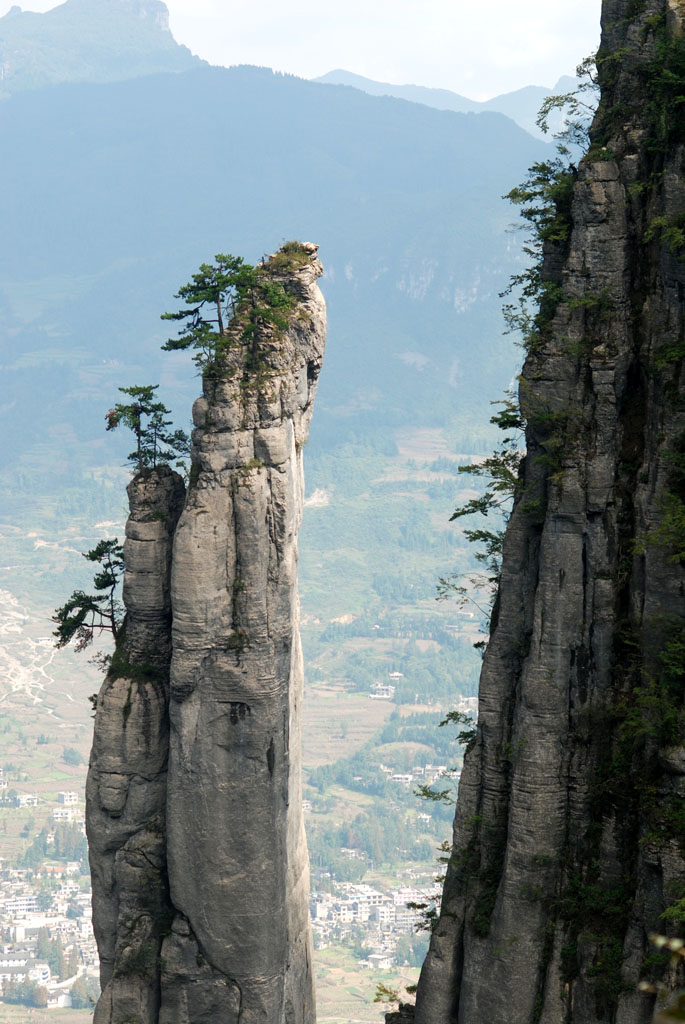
{"points": [[67, 802], [51, 897], [67, 917], [426, 773], [383, 916]]}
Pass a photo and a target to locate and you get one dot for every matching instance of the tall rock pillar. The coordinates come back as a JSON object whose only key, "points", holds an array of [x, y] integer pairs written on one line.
{"points": [[569, 836], [126, 787], [240, 944]]}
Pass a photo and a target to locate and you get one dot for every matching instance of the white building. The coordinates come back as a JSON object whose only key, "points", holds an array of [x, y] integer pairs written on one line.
{"points": [[28, 970], [347, 911], [363, 910], [380, 961], [68, 797], [401, 897], [384, 915], [20, 906], [403, 779], [366, 892], [381, 691], [407, 918]]}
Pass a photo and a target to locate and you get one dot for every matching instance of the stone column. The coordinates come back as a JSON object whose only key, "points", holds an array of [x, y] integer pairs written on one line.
{"points": [[240, 945], [126, 786]]}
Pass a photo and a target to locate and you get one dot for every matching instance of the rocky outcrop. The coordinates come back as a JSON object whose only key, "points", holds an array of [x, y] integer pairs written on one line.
{"points": [[126, 787], [235, 804], [569, 832], [223, 833]]}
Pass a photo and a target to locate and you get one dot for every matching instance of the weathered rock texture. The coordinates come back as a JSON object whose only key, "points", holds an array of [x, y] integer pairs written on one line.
{"points": [[222, 829], [570, 826], [126, 788]]}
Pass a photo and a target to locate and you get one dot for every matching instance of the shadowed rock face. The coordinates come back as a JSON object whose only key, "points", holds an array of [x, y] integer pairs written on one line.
{"points": [[569, 836], [126, 787], [227, 866]]}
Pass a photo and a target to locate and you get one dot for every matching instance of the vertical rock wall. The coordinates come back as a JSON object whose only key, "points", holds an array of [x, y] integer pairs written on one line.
{"points": [[222, 832], [235, 804], [569, 833], [126, 787]]}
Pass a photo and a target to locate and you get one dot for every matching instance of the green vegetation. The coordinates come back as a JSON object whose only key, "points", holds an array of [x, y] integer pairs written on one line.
{"points": [[231, 302], [84, 993], [71, 756], [501, 471], [217, 288], [669, 533], [25, 993], [86, 616], [577, 108], [664, 83], [77, 43], [544, 199], [379, 816], [155, 444]]}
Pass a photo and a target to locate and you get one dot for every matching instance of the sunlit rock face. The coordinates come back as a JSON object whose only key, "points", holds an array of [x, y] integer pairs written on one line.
{"points": [[568, 836], [235, 804], [224, 834]]}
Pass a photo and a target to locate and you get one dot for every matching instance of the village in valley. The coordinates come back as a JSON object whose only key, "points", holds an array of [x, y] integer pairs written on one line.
{"points": [[48, 956], [375, 845]]}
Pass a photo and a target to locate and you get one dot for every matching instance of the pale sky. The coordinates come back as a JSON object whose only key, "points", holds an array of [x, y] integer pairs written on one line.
{"points": [[477, 49]]}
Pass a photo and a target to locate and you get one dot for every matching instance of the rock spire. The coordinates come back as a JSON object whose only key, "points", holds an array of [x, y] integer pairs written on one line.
{"points": [[569, 834], [198, 853]]}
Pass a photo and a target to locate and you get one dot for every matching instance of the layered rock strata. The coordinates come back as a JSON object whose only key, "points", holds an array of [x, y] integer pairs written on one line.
{"points": [[236, 942], [569, 832]]}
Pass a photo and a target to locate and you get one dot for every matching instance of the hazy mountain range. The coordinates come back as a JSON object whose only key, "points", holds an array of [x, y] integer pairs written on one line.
{"points": [[88, 40], [126, 163], [521, 106], [113, 192]]}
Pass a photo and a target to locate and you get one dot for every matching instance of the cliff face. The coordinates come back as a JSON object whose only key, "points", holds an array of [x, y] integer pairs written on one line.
{"points": [[227, 937], [126, 787], [569, 832]]}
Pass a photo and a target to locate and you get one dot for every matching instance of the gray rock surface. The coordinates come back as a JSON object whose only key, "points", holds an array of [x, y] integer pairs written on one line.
{"points": [[198, 853], [126, 787], [235, 802], [568, 835]]}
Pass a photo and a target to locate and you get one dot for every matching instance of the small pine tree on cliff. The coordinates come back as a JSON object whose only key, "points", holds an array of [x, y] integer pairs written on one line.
{"points": [[155, 443], [85, 616]]}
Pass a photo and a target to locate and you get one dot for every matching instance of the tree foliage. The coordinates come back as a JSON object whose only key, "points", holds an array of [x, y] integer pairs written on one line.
{"points": [[86, 616], [544, 203], [500, 471], [577, 107], [225, 302], [25, 993], [156, 444]]}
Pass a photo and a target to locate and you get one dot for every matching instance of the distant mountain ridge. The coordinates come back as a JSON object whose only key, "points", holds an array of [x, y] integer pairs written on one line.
{"points": [[88, 41], [521, 106]]}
